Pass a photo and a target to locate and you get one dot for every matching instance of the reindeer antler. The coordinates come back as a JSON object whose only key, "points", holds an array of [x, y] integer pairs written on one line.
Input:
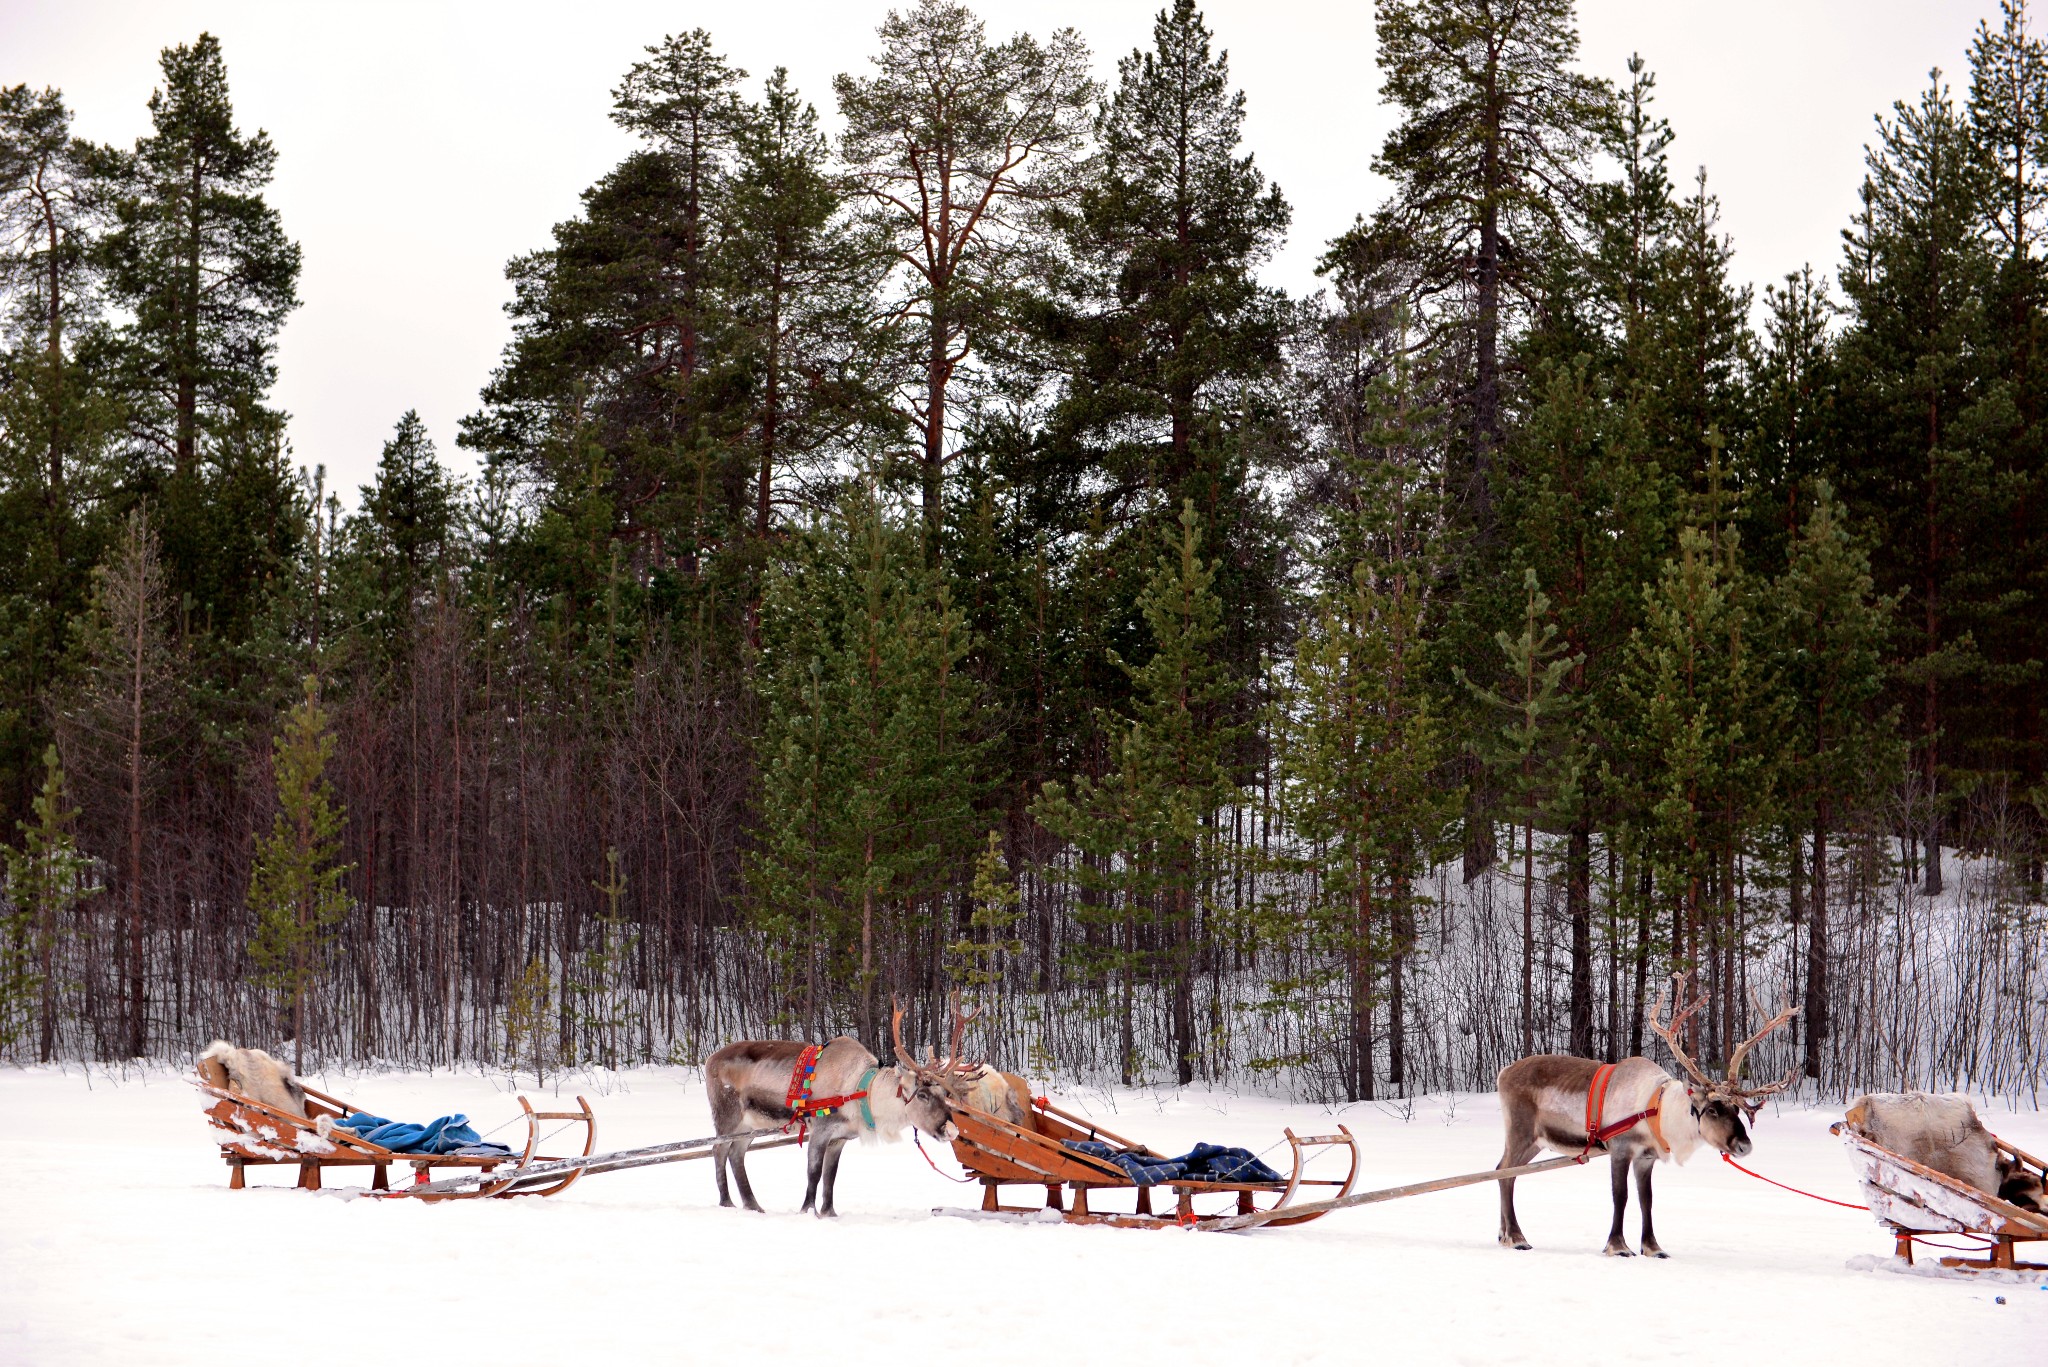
{"points": [[1669, 1033], [1752, 1098], [949, 1072], [904, 1058]]}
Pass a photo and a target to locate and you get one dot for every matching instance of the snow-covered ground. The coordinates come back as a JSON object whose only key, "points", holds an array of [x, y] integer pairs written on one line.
{"points": [[120, 1243]]}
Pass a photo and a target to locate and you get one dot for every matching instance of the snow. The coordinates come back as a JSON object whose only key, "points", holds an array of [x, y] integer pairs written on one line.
{"points": [[120, 1242]]}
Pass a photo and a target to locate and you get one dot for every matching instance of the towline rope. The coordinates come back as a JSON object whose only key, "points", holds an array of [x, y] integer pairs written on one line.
{"points": [[1847, 1205], [918, 1140]]}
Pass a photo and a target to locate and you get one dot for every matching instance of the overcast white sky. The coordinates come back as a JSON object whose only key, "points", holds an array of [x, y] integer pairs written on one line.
{"points": [[423, 144]]}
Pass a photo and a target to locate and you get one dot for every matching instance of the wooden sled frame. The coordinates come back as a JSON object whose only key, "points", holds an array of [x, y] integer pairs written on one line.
{"points": [[1914, 1200], [260, 1134], [1000, 1154]]}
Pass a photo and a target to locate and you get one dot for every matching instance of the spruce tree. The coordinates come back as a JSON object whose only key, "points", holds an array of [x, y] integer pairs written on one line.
{"points": [[295, 889], [46, 880]]}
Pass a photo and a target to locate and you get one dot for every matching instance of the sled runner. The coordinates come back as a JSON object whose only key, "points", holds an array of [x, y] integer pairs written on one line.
{"points": [[256, 1133], [1914, 1200], [1000, 1154]]}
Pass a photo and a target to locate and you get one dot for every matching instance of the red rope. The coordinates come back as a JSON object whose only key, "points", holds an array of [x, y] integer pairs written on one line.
{"points": [[918, 1140], [1847, 1205]]}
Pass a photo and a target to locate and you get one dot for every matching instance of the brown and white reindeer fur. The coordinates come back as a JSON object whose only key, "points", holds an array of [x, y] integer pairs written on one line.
{"points": [[253, 1074], [748, 1084], [1544, 1103]]}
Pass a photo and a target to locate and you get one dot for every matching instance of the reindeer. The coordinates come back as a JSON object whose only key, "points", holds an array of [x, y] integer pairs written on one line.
{"points": [[750, 1084], [1632, 1110]]}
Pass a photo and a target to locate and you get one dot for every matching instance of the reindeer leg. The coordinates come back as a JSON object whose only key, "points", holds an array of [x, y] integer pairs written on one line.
{"points": [[739, 1173], [814, 1168], [1520, 1149], [1646, 1161], [1617, 1246], [825, 1210], [719, 1153]]}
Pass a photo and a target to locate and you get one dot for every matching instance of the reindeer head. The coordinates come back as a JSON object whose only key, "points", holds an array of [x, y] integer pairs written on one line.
{"points": [[1721, 1104], [929, 1086]]}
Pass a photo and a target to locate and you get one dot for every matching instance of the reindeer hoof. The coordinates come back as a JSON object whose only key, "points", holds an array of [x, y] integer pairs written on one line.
{"points": [[1618, 1251], [1655, 1253], [1517, 1243]]}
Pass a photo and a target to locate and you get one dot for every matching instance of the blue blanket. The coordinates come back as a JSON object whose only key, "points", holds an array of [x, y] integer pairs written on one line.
{"points": [[449, 1134], [1202, 1163]]}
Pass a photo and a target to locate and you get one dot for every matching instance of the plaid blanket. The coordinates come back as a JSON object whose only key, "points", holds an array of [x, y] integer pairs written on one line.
{"points": [[1202, 1163]]}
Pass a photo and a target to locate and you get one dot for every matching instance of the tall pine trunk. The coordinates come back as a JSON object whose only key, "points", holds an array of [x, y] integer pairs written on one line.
{"points": [[1579, 897], [1817, 944]]}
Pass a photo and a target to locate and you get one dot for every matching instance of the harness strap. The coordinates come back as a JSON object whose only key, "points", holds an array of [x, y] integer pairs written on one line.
{"points": [[867, 1115], [1596, 1102], [803, 1107], [1598, 1134]]}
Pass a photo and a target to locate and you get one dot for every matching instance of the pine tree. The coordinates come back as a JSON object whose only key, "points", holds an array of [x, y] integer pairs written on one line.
{"points": [[56, 418], [683, 100], [2008, 123], [1489, 165], [1696, 356], [404, 536], [1698, 721], [1631, 216], [119, 723], [295, 889], [957, 143], [199, 258], [870, 767], [1590, 512], [46, 879], [1155, 812], [1359, 735], [1174, 343], [1534, 700], [1832, 630], [1790, 438], [800, 278], [1915, 275]]}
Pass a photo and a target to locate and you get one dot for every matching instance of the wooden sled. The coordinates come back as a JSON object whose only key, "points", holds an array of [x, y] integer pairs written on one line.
{"points": [[255, 1133], [1001, 1154], [1912, 1200]]}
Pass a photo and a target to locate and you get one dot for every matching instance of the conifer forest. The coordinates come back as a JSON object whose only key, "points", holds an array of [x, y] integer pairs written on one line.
{"points": [[911, 548]]}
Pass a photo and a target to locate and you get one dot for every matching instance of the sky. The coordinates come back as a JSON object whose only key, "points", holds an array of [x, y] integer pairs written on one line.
{"points": [[422, 145]]}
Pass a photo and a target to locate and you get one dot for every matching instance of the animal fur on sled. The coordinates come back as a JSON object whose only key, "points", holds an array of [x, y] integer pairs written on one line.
{"points": [[1939, 1132], [254, 1074]]}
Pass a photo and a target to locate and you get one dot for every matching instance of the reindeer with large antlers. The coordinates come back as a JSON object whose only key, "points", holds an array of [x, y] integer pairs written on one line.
{"points": [[838, 1091], [1633, 1111]]}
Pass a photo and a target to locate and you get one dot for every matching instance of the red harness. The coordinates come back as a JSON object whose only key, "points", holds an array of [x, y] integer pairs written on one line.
{"points": [[803, 1107], [1598, 1134]]}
